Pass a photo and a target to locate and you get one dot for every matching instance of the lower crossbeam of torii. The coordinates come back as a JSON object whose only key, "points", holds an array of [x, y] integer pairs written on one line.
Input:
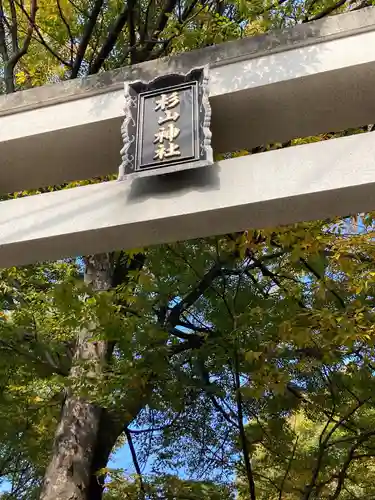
{"points": [[310, 79]]}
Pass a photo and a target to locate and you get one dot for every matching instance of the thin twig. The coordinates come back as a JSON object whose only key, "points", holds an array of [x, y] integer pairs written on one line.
{"points": [[131, 27], [63, 18], [245, 450], [21, 52], [308, 266], [41, 39], [110, 42], [3, 44], [323, 445], [89, 28], [288, 468], [325, 12], [14, 26], [135, 461]]}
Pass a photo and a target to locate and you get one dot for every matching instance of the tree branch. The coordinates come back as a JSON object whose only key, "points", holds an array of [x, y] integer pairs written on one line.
{"points": [[194, 328], [40, 38], [30, 29], [288, 469], [135, 461], [90, 25], [183, 20], [194, 295], [3, 45], [110, 41], [325, 12], [11, 61], [274, 278], [183, 335], [339, 299], [245, 450], [206, 379], [144, 31], [155, 429], [73, 4], [131, 27], [362, 5], [193, 343], [63, 18], [46, 364], [146, 52], [350, 457], [323, 445], [14, 26]]}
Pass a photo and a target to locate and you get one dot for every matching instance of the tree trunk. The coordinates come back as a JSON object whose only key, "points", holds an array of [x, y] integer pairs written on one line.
{"points": [[110, 428], [9, 79], [69, 474]]}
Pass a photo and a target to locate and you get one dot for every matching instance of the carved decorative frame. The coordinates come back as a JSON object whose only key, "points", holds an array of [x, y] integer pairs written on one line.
{"points": [[129, 128]]}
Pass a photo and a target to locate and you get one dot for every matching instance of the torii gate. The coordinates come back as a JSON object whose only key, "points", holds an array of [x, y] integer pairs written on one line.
{"points": [[310, 79]]}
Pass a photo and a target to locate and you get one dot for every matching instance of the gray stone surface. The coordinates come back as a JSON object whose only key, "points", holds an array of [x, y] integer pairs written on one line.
{"points": [[312, 181], [301, 35]]}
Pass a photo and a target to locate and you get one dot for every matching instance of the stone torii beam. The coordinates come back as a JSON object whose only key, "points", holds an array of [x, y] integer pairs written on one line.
{"points": [[310, 79]]}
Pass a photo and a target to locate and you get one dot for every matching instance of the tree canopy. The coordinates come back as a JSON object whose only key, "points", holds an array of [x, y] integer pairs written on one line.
{"points": [[239, 366]]}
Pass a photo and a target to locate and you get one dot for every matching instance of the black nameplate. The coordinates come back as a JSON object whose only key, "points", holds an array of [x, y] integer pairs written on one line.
{"points": [[167, 124]]}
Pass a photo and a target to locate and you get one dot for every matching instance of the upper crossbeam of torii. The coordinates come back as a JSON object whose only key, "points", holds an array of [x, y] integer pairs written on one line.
{"points": [[313, 78]]}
